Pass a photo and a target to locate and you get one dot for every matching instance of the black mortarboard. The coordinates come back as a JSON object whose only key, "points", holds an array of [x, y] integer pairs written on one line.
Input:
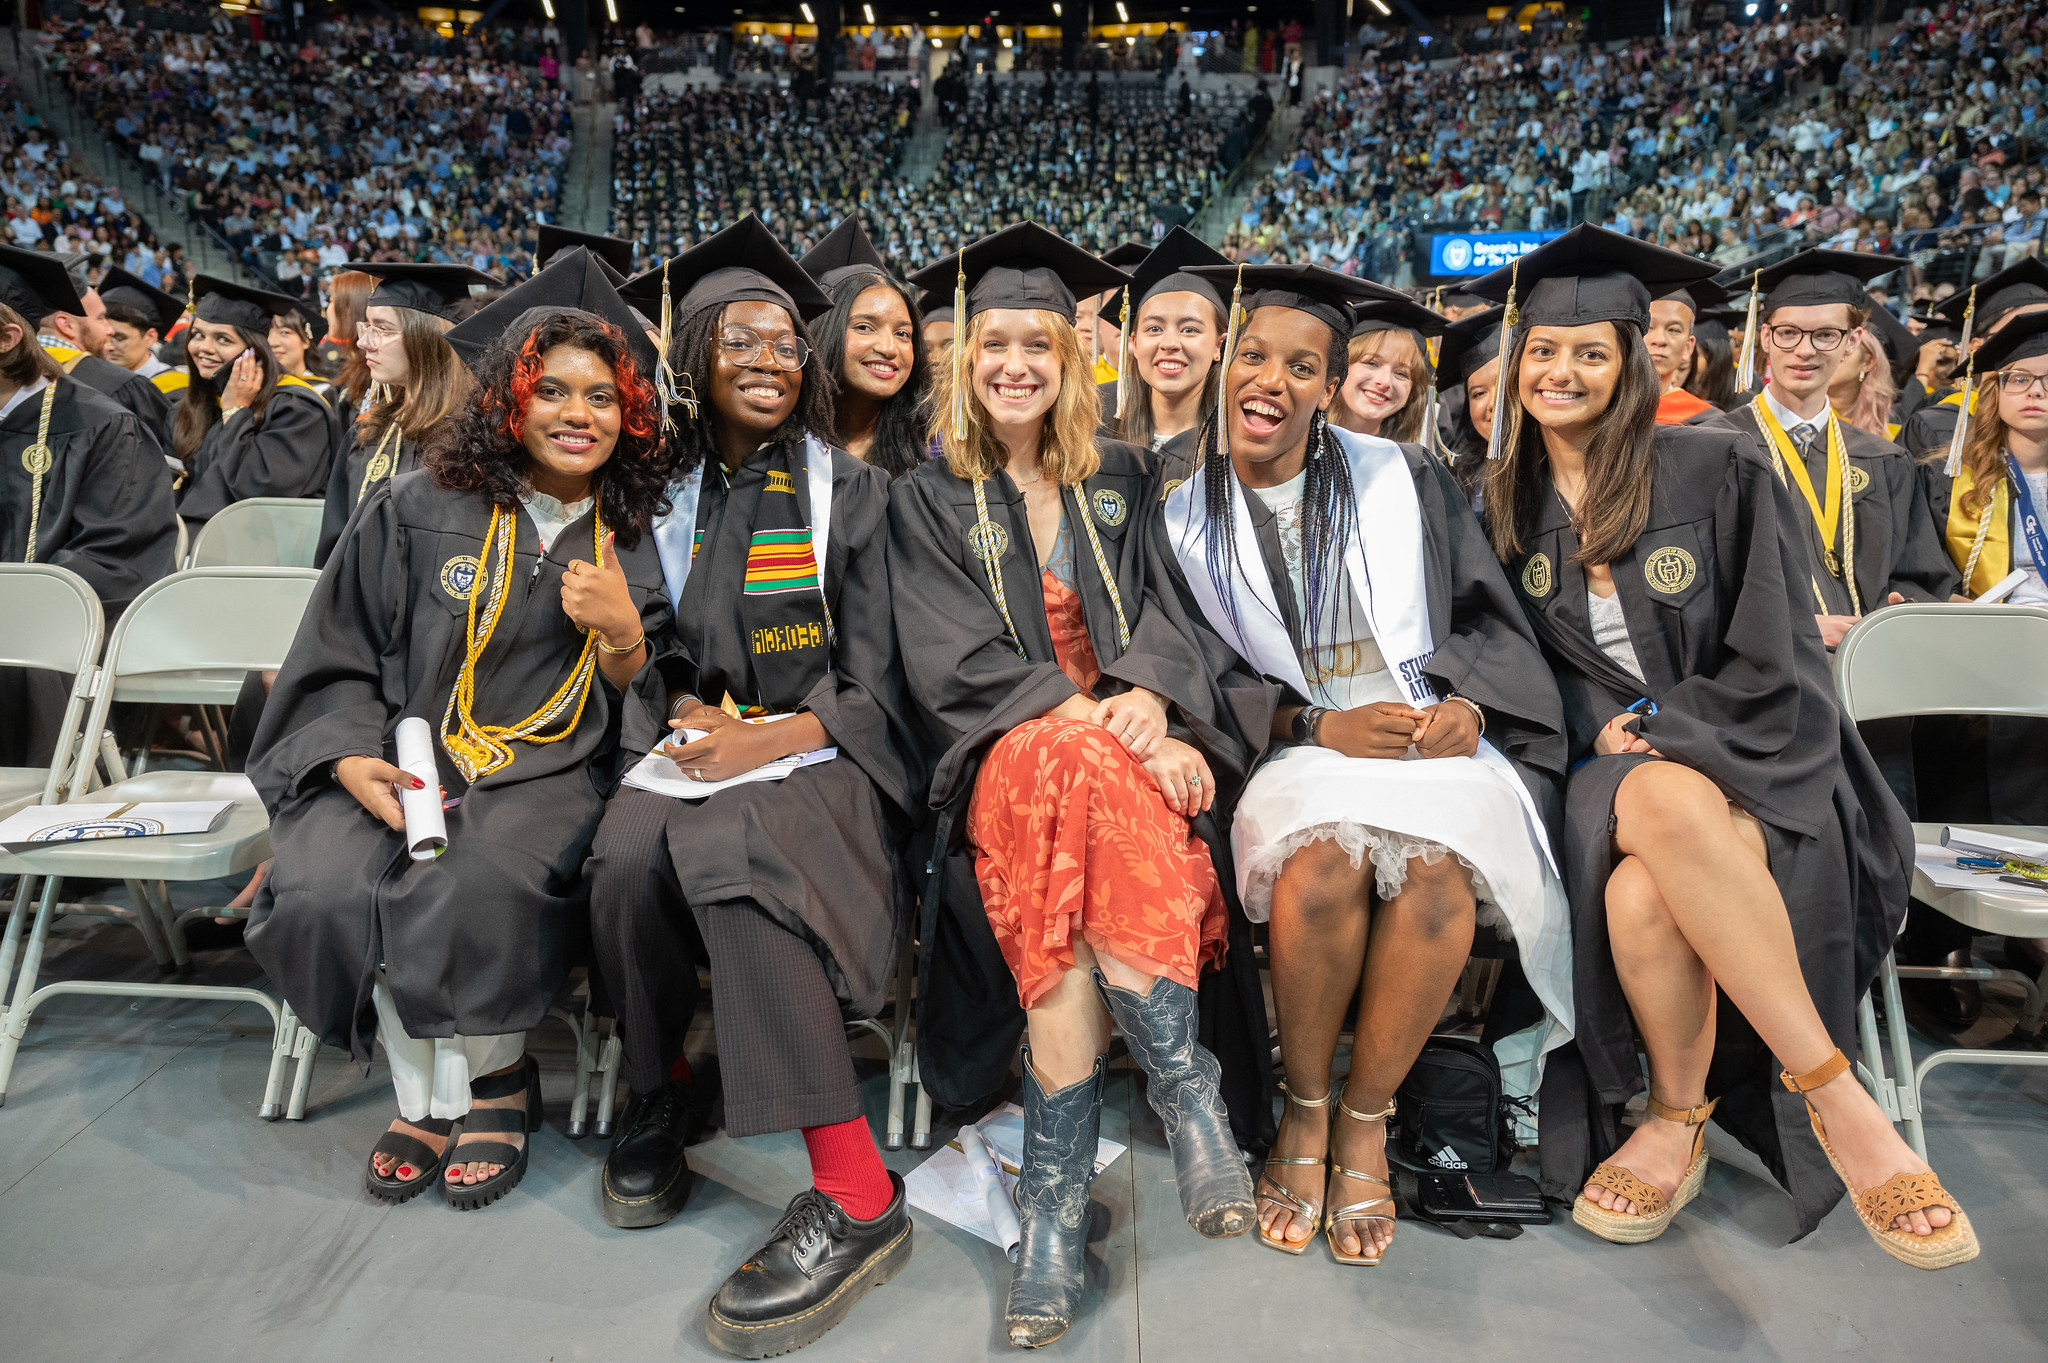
{"points": [[1940, 329], [432, 289], [162, 308], [1125, 254], [845, 251], [1697, 296], [616, 252], [743, 263], [1023, 266], [933, 306], [1468, 346], [1819, 277], [2015, 286], [2023, 338], [1323, 294], [1590, 275], [238, 305], [36, 284], [1163, 269], [574, 281], [1901, 347], [1387, 314], [1719, 313], [1458, 298]]}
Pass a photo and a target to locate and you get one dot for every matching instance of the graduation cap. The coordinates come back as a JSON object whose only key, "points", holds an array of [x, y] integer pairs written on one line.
{"points": [[1023, 266], [575, 281], [36, 284], [2023, 338], [1459, 298], [1818, 277], [1125, 254], [933, 306], [1901, 347], [846, 251], [1468, 345], [616, 252], [1386, 314], [1163, 269], [237, 305], [2015, 286], [119, 287], [1698, 296], [432, 289]]}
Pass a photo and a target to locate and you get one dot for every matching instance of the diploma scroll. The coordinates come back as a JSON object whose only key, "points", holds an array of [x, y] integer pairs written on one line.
{"points": [[1002, 1203], [426, 826]]}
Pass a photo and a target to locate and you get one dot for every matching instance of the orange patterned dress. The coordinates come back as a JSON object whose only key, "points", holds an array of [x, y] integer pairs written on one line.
{"points": [[1069, 833]]}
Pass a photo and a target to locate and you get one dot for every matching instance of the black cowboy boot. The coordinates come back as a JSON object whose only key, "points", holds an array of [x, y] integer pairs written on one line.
{"points": [[1215, 1187], [646, 1178], [1060, 1132]]}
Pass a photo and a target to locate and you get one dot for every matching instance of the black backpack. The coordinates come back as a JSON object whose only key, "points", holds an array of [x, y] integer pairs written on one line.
{"points": [[1451, 1115]]}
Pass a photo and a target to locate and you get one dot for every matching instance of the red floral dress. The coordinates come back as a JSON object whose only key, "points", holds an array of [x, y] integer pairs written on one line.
{"points": [[1070, 832]]}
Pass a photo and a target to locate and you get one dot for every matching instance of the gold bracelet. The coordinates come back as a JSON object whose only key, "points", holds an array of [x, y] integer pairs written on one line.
{"points": [[1473, 706], [627, 649]]}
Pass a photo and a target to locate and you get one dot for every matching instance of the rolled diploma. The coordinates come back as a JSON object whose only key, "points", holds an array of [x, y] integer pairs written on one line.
{"points": [[1002, 1208], [426, 827]]}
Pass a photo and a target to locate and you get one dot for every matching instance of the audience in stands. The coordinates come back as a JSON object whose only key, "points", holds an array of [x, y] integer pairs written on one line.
{"points": [[51, 202]]}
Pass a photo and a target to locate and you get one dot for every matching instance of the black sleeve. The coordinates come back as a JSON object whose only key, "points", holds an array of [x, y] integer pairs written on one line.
{"points": [[286, 452], [1921, 570], [124, 529]]}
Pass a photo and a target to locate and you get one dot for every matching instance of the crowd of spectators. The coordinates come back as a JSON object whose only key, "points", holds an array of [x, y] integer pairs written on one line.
{"points": [[53, 203], [1728, 144], [358, 140]]}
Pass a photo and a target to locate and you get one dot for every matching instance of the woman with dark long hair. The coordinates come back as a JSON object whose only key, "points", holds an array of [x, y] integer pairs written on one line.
{"points": [[1713, 364], [419, 381], [504, 593], [871, 349], [245, 428], [1726, 833], [1175, 327], [774, 552]]}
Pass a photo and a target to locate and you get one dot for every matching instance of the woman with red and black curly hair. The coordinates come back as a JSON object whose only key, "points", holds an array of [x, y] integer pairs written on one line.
{"points": [[503, 593]]}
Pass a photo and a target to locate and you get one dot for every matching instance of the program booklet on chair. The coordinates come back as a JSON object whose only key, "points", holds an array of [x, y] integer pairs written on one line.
{"points": [[79, 822]]}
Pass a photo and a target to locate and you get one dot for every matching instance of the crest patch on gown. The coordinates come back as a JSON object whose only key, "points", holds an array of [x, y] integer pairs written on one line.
{"points": [[1109, 507], [1858, 479], [36, 458], [988, 540], [1669, 570], [458, 576], [1536, 578]]}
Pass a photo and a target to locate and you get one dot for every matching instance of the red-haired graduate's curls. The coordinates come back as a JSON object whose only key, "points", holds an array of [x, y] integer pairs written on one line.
{"points": [[481, 451]]}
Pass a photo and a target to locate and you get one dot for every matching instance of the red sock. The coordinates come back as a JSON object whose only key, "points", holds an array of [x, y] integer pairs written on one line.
{"points": [[848, 1169], [679, 1073]]}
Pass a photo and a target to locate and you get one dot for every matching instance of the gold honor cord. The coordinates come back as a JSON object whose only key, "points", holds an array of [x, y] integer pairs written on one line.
{"points": [[1116, 600], [37, 459], [1977, 544], [381, 463], [1840, 510], [480, 749], [983, 539]]}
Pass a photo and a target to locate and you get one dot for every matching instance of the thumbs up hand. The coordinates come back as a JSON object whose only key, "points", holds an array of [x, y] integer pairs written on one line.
{"points": [[596, 598]]}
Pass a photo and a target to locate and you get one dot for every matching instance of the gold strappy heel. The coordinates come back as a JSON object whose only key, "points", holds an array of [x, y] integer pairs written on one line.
{"points": [[1654, 1212], [1954, 1243], [1272, 1192], [1358, 1211]]}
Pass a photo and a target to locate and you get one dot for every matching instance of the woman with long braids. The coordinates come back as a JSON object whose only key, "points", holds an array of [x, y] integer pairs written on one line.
{"points": [[775, 556], [872, 346], [1726, 833], [504, 593], [420, 383], [1170, 356], [1350, 569], [245, 428], [1072, 883]]}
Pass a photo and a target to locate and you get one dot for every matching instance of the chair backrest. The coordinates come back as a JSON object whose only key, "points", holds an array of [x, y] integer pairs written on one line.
{"points": [[261, 532], [50, 619], [1947, 659]]}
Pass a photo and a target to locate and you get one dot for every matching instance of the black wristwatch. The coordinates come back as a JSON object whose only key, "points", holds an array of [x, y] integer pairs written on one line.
{"points": [[1306, 721]]}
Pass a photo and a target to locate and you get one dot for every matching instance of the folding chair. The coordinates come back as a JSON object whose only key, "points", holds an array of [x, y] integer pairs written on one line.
{"points": [[261, 532], [191, 624], [50, 621], [1951, 659]]}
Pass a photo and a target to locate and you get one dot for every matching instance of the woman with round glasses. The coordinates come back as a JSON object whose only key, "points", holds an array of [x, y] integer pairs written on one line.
{"points": [[782, 675]]}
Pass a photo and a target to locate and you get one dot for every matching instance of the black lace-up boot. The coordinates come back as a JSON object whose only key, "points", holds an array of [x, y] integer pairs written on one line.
{"points": [[646, 1180], [817, 1263]]}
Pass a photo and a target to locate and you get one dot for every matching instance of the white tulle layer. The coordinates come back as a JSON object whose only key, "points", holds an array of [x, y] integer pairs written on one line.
{"points": [[1390, 852]]}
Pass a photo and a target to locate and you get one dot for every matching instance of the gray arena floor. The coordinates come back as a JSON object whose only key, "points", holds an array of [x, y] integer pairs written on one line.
{"points": [[145, 1213]]}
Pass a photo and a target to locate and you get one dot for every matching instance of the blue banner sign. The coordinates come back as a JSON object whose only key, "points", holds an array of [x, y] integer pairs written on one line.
{"points": [[1469, 253]]}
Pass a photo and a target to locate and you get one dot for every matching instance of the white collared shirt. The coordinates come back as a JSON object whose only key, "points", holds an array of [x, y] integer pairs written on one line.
{"points": [[1792, 421], [22, 395]]}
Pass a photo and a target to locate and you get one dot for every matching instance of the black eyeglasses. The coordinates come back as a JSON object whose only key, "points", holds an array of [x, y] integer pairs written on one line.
{"points": [[1788, 338], [2016, 382], [745, 348]]}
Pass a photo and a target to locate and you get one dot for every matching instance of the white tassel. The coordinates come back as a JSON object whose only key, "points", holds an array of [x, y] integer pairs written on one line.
{"points": [[1229, 350], [1954, 464], [1745, 369], [1505, 383], [1123, 357], [960, 352]]}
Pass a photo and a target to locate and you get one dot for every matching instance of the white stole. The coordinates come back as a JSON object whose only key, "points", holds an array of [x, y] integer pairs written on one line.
{"points": [[675, 535], [1384, 558]]}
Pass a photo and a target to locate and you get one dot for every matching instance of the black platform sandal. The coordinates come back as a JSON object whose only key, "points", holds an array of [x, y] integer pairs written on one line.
{"points": [[408, 1149], [503, 1121]]}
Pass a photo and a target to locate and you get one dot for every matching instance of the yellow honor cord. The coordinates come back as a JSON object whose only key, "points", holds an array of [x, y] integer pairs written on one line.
{"points": [[1839, 510], [480, 749]]}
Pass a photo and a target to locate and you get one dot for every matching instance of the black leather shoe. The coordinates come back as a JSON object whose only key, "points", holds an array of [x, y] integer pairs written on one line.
{"points": [[646, 1180], [818, 1262]]}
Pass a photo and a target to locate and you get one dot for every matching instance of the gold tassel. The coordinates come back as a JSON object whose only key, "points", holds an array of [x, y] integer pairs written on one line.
{"points": [[1954, 464], [1123, 357], [1508, 322], [1745, 367], [960, 350], [673, 392], [1229, 350]]}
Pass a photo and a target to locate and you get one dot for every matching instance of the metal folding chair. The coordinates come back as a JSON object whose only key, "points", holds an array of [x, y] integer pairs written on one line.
{"points": [[191, 624], [261, 532], [1951, 659]]}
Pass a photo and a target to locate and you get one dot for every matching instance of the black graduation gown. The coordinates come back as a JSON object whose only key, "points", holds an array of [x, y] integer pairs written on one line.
{"points": [[820, 850], [127, 389], [107, 514], [1911, 399], [1725, 636], [1932, 424], [1898, 546], [473, 941], [971, 688], [345, 485], [287, 452]]}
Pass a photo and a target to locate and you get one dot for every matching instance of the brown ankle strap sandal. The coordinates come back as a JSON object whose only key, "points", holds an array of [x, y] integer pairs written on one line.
{"points": [[1654, 1211], [1899, 1195]]}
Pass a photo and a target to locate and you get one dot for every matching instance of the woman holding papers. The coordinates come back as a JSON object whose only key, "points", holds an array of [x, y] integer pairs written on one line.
{"points": [[775, 558], [1419, 743], [503, 594], [1072, 879], [1726, 833]]}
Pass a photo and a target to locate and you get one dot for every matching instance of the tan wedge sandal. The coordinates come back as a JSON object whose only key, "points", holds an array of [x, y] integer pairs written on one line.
{"points": [[1360, 1211], [1954, 1243], [1654, 1212], [1269, 1191]]}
